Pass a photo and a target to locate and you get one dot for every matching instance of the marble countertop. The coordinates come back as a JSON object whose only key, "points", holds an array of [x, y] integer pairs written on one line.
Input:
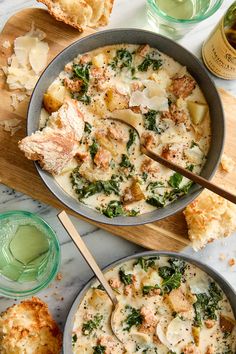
{"points": [[105, 246]]}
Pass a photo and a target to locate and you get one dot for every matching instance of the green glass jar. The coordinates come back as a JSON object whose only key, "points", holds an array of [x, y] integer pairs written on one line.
{"points": [[175, 18], [29, 254]]}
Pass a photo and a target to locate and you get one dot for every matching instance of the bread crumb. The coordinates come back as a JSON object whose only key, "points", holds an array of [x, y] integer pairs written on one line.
{"points": [[209, 217], [80, 14], [231, 262], [59, 276], [227, 163], [222, 256], [28, 327], [6, 44], [16, 98], [10, 125]]}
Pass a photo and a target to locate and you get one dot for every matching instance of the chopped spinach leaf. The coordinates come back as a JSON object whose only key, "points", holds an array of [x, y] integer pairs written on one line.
{"points": [[82, 73], [84, 98], [133, 319], [150, 121], [148, 61], [152, 186], [99, 349], [125, 162], [111, 186], [90, 325], [126, 279], [206, 305], [101, 287], [132, 137], [132, 212], [175, 180], [193, 144], [144, 176], [93, 149], [172, 275], [123, 59], [84, 189], [146, 263], [177, 264], [74, 339], [113, 209], [190, 167], [87, 127], [156, 201], [148, 288], [171, 283]]}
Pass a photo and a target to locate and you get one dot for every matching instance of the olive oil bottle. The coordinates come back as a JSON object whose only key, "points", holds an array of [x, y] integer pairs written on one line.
{"points": [[219, 50]]}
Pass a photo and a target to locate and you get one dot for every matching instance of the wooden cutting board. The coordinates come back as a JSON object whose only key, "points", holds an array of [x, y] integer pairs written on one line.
{"points": [[20, 174]]}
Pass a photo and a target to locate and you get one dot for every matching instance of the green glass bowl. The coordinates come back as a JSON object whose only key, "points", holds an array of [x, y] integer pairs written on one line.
{"points": [[177, 28], [50, 264]]}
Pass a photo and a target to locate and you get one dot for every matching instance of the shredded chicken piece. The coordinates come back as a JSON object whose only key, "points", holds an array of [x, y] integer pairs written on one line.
{"points": [[115, 283], [149, 166], [73, 85], [103, 158], [143, 50], [177, 115], [149, 320], [191, 349], [182, 86]]}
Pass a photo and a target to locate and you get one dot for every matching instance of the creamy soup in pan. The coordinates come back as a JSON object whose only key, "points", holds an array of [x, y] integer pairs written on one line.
{"points": [[166, 306], [107, 171]]}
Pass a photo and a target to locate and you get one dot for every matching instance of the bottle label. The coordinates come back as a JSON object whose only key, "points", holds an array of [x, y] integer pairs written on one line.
{"points": [[218, 55]]}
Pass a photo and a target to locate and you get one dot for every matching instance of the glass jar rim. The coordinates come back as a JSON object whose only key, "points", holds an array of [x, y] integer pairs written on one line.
{"points": [[196, 19], [11, 293]]}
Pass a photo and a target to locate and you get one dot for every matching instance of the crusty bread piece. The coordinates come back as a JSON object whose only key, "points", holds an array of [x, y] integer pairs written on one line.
{"points": [[209, 217], [80, 13], [28, 328]]}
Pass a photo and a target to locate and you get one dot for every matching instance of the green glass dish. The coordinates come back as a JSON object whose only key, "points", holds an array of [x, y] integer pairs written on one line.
{"points": [[29, 254], [175, 27]]}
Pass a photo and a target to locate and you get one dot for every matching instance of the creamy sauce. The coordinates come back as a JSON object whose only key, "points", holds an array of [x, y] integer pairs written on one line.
{"points": [[168, 322], [118, 84]]}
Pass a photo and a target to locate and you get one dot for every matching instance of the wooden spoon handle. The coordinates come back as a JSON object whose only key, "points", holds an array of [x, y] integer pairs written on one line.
{"points": [[188, 174], [75, 236]]}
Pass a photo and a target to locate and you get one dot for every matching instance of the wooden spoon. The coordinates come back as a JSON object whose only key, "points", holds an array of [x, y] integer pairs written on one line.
{"points": [[136, 123], [76, 238]]}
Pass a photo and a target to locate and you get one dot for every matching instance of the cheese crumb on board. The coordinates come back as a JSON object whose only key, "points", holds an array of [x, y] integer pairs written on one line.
{"points": [[209, 217], [28, 60], [6, 44], [231, 262], [16, 98], [28, 328], [11, 125], [227, 163]]}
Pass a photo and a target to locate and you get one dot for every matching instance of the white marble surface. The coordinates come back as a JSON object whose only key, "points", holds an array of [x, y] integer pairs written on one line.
{"points": [[106, 247]]}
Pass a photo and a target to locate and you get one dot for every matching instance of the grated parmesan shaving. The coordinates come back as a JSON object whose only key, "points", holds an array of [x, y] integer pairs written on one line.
{"points": [[11, 125], [26, 63], [16, 98], [227, 163], [6, 44]]}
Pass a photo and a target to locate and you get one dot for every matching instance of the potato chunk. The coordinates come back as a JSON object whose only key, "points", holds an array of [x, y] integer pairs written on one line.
{"points": [[178, 301], [50, 103], [54, 98], [197, 111], [115, 100], [196, 335], [133, 193]]}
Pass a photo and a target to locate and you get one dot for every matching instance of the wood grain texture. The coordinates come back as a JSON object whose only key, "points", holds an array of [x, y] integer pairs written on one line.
{"points": [[20, 174]]}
